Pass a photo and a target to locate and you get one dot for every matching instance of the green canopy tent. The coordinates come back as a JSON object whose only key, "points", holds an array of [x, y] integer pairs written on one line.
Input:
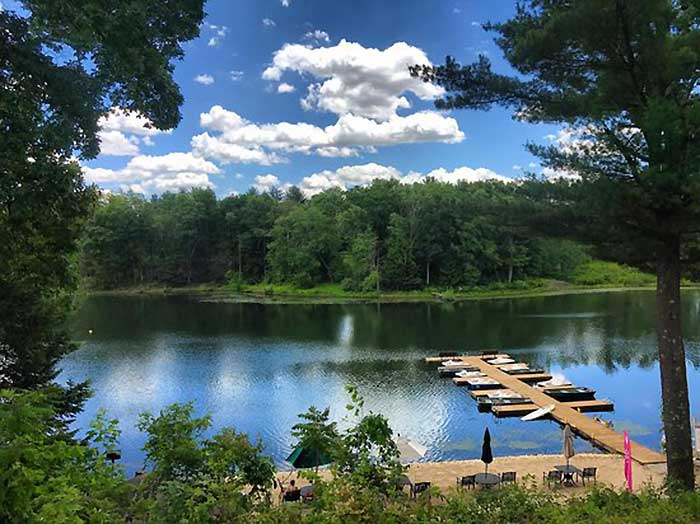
{"points": [[302, 458]]}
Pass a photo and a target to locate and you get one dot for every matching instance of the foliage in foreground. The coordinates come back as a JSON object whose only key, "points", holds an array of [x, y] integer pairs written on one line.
{"points": [[225, 478]]}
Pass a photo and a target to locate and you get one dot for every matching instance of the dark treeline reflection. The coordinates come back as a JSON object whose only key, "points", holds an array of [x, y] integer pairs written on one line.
{"points": [[608, 329]]}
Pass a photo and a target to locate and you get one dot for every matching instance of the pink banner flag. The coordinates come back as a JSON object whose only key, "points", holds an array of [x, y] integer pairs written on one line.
{"points": [[628, 461]]}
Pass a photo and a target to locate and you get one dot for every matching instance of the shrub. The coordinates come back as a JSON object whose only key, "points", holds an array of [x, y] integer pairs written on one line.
{"points": [[599, 273]]}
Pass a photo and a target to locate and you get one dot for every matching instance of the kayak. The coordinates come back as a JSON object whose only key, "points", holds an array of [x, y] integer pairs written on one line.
{"points": [[542, 412]]}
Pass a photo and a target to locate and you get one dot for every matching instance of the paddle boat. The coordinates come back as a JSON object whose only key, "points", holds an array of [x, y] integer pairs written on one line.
{"points": [[483, 383], [570, 394], [500, 398]]}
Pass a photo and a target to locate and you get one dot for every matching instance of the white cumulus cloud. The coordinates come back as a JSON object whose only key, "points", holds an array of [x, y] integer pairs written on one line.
{"points": [[268, 22], [116, 143], [121, 132], [218, 33], [284, 87], [156, 174], [354, 79], [264, 183], [204, 79], [363, 174], [317, 36], [238, 140], [286, 3]]}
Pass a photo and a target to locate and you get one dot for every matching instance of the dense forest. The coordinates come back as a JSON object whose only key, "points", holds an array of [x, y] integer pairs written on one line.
{"points": [[384, 236]]}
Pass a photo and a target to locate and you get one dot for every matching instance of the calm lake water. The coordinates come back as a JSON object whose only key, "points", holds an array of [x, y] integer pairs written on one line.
{"points": [[255, 367]]}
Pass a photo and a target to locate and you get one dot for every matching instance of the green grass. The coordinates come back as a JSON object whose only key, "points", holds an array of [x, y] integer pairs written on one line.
{"points": [[599, 273], [591, 276]]}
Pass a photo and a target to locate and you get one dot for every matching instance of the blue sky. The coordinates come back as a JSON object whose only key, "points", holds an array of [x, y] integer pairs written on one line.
{"points": [[353, 114]]}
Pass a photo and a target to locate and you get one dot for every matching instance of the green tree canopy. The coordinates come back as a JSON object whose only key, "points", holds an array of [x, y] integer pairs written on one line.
{"points": [[623, 75], [62, 66]]}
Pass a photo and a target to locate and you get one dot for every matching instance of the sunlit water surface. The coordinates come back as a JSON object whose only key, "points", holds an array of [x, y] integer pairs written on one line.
{"points": [[255, 367]]}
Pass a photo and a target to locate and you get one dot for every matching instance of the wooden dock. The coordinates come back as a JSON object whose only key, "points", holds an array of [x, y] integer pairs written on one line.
{"points": [[564, 412]]}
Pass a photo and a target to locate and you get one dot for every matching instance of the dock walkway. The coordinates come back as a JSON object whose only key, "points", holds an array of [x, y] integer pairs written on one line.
{"points": [[601, 435]]}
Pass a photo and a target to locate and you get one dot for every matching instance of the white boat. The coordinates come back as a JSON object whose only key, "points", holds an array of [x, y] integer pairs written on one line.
{"points": [[501, 360], [514, 367], [543, 411], [483, 383], [504, 393], [466, 374], [448, 363]]}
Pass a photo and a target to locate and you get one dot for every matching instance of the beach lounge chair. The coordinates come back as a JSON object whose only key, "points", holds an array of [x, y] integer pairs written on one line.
{"points": [[468, 482], [419, 487], [589, 473], [552, 477], [508, 477]]}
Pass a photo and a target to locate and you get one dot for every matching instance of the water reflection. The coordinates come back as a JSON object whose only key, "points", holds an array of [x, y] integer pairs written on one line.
{"points": [[256, 367]]}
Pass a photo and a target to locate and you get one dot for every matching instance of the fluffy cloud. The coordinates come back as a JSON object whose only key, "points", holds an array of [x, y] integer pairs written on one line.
{"points": [[358, 175], [116, 143], [204, 79], [284, 87], [268, 22], [239, 140], [264, 183], [317, 36], [218, 34], [354, 79], [121, 132], [236, 75], [465, 174], [156, 174], [286, 3]]}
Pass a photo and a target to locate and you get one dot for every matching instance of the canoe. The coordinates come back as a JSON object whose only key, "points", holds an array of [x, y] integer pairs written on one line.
{"points": [[543, 411], [571, 394]]}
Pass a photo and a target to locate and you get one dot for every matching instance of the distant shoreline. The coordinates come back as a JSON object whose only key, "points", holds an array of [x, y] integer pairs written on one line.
{"points": [[257, 295]]}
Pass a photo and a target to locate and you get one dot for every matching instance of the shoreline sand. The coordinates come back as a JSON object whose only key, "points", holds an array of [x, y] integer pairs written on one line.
{"points": [[444, 474]]}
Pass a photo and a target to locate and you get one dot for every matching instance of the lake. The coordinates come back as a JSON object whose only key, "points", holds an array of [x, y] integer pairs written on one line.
{"points": [[255, 367]]}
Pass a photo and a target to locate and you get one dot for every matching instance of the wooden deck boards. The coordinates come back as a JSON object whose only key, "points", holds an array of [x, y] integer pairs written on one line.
{"points": [[596, 432]]}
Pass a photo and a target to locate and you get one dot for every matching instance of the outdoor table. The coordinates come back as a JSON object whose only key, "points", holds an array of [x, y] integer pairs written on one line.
{"points": [[568, 472], [487, 479], [403, 481], [307, 492]]}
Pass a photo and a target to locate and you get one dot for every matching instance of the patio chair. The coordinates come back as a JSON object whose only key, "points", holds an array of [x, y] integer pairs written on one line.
{"points": [[292, 495], [420, 487], [508, 477], [589, 473], [552, 477], [468, 482]]}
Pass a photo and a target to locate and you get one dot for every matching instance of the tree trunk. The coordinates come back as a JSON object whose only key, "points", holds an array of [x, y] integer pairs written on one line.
{"points": [[427, 274], [674, 385], [240, 262]]}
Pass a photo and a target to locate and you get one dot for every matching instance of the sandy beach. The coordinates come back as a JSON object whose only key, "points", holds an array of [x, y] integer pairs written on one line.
{"points": [[528, 468]]}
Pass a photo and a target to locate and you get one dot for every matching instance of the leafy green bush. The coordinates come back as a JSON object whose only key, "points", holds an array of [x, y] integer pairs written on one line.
{"points": [[46, 478], [599, 273], [235, 282]]}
